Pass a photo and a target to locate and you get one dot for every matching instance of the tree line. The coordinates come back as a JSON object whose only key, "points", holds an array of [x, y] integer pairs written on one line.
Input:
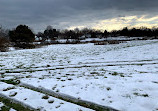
{"points": [[23, 37], [77, 33]]}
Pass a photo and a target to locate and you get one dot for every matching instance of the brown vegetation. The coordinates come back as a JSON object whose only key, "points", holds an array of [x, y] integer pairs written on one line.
{"points": [[4, 43]]}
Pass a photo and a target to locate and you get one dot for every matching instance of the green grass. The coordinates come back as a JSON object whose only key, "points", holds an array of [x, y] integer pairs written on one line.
{"points": [[11, 81], [115, 74], [5, 108], [9, 88], [45, 97], [50, 101], [108, 88], [143, 95], [9, 104], [14, 94]]}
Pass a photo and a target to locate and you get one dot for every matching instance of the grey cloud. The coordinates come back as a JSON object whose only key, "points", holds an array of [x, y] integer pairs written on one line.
{"points": [[75, 12]]}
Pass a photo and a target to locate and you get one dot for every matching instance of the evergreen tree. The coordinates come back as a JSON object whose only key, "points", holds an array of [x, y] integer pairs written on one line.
{"points": [[22, 36]]}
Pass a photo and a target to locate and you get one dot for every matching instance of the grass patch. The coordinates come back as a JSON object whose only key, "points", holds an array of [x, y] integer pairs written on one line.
{"points": [[69, 79], [13, 94], [58, 106], [97, 73], [155, 82], [50, 101], [108, 88], [15, 106], [57, 90], [5, 108], [58, 78], [115, 74], [105, 77], [9, 88], [11, 81], [143, 95], [45, 97]]}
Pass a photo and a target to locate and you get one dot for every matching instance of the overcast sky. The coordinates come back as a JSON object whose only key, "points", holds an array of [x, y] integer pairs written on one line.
{"points": [[61, 14]]}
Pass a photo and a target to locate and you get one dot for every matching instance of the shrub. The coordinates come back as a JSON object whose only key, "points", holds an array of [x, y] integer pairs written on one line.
{"points": [[4, 43], [45, 97], [24, 45]]}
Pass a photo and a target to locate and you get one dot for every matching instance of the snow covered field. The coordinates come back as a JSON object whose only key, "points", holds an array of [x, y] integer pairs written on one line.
{"points": [[122, 76]]}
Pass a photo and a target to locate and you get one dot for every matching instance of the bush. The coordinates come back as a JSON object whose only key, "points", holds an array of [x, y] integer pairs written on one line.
{"points": [[24, 45], [4, 43]]}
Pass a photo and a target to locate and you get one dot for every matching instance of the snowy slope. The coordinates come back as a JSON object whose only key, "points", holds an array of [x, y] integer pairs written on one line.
{"points": [[123, 76]]}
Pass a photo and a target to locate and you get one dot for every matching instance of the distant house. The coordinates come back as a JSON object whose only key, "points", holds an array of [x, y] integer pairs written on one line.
{"points": [[85, 36], [38, 39], [88, 35], [82, 37]]}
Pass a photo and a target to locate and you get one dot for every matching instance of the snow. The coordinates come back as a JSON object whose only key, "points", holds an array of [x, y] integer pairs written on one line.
{"points": [[123, 38], [12, 109], [35, 100], [122, 76], [11, 48], [1, 105]]}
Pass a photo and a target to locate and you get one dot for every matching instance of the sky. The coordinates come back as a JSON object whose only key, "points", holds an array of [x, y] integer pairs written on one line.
{"points": [[69, 14]]}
